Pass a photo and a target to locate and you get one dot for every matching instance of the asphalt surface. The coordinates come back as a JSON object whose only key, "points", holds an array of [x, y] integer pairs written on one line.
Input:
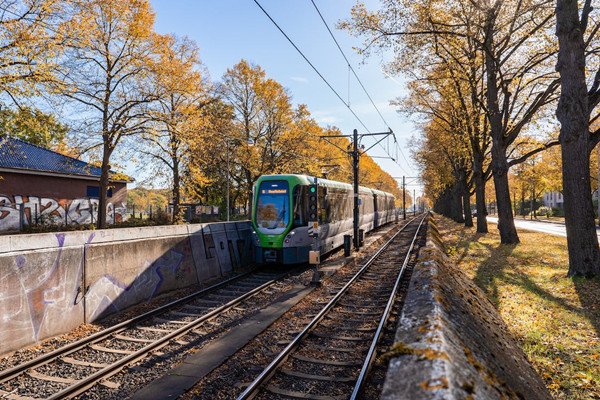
{"points": [[551, 228]]}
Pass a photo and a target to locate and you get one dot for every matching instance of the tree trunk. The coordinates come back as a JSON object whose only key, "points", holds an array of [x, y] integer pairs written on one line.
{"points": [[104, 180], [177, 217], [480, 196], [506, 222], [457, 206], [467, 208], [466, 198], [249, 192], [531, 205], [573, 114]]}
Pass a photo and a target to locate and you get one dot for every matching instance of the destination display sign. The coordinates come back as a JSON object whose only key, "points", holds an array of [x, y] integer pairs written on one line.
{"points": [[274, 191]]}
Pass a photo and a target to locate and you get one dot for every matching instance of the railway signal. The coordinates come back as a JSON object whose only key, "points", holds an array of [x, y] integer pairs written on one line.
{"points": [[314, 255], [313, 203]]}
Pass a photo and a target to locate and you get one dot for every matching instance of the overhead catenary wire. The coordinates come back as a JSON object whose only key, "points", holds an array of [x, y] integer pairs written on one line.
{"points": [[363, 88], [349, 64], [321, 76], [311, 64]]}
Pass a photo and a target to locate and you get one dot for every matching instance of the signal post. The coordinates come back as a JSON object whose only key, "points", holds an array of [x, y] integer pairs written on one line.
{"points": [[355, 155], [314, 255]]}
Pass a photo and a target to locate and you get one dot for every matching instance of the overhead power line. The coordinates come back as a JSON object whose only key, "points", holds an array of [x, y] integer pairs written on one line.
{"points": [[362, 86], [349, 65], [311, 64]]}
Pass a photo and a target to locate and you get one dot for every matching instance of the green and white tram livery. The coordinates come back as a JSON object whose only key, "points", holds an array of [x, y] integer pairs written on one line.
{"points": [[280, 216]]}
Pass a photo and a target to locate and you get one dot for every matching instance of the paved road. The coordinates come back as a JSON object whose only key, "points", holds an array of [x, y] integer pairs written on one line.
{"points": [[552, 228]]}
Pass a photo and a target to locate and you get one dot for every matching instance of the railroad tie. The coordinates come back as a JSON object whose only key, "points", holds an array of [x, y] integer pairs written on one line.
{"points": [[110, 350], [326, 362], [132, 339], [300, 395], [170, 321], [37, 375], [150, 329], [336, 337], [13, 396], [328, 378]]}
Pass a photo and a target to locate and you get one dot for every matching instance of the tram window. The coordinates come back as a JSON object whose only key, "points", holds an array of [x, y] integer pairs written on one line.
{"points": [[334, 204], [322, 205], [349, 202], [300, 205], [336, 200]]}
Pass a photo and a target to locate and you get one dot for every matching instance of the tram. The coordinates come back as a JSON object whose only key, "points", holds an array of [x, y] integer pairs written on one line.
{"points": [[280, 216]]}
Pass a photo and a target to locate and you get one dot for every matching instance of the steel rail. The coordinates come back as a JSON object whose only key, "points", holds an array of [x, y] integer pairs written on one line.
{"points": [[86, 383], [98, 336], [269, 371], [382, 322], [79, 344]]}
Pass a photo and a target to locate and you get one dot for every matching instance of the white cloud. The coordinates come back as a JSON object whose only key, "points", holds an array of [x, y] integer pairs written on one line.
{"points": [[299, 79], [327, 120], [325, 117]]}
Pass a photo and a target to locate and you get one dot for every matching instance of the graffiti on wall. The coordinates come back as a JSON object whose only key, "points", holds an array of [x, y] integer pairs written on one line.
{"points": [[32, 210], [39, 292], [108, 294]]}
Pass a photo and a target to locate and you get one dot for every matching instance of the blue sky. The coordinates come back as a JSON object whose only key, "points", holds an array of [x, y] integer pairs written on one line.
{"points": [[229, 30]]}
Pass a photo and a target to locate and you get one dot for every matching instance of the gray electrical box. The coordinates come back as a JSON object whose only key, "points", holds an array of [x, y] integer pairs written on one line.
{"points": [[314, 257]]}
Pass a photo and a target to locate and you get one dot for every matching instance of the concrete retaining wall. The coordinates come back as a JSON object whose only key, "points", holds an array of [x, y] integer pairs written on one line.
{"points": [[451, 343], [43, 277]]}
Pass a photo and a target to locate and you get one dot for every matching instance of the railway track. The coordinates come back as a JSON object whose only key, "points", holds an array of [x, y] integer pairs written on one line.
{"points": [[72, 369], [332, 355]]}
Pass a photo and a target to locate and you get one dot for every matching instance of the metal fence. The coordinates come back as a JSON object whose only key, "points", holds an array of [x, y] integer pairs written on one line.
{"points": [[35, 213]]}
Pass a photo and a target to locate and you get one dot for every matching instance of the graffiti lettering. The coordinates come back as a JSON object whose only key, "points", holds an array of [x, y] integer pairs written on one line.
{"points": [[31, 210]]}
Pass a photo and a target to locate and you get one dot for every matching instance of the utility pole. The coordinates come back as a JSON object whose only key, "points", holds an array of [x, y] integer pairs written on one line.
{"points": [[403, 197], [414, 202], [228, 174], [356, 198], [355, 155]]}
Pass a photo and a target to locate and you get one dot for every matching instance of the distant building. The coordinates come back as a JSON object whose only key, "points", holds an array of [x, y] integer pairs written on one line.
{"points": [[553, 199], [42, 186]]}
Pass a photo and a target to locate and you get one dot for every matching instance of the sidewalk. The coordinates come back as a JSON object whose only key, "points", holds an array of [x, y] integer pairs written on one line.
{"points": [[549, 227]]}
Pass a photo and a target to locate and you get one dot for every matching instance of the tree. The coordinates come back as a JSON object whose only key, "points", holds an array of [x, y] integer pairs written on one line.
{"points": [[32, 36], [444, 161], [33, 126], [577, 107], [459, 140], [264, 138], [205, 178], [106, 71], [143, 199], [177, 116], [509, 40]]}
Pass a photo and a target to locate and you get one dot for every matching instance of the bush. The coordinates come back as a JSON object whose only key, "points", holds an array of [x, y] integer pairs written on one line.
{"points": [[543, 210], [558, 212]]}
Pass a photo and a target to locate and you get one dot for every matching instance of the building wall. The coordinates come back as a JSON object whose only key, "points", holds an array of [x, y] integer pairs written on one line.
{"points": [[53, 200], [51, 283], [553, 199]]}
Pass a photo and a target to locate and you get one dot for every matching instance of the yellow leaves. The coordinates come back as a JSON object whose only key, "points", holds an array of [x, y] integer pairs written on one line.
{"points": [[30, 41], [552, 315]]}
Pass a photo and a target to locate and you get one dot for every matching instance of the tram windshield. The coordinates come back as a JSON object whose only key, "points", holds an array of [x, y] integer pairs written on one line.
{"points": [[272, 208]]}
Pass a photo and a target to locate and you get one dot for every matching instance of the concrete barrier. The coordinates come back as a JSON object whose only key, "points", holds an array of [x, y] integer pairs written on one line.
{"points": [[52, 282], [451, 343]]}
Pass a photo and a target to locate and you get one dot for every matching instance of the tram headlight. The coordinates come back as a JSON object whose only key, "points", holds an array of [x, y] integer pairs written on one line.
{"points": [[289, 236]]}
